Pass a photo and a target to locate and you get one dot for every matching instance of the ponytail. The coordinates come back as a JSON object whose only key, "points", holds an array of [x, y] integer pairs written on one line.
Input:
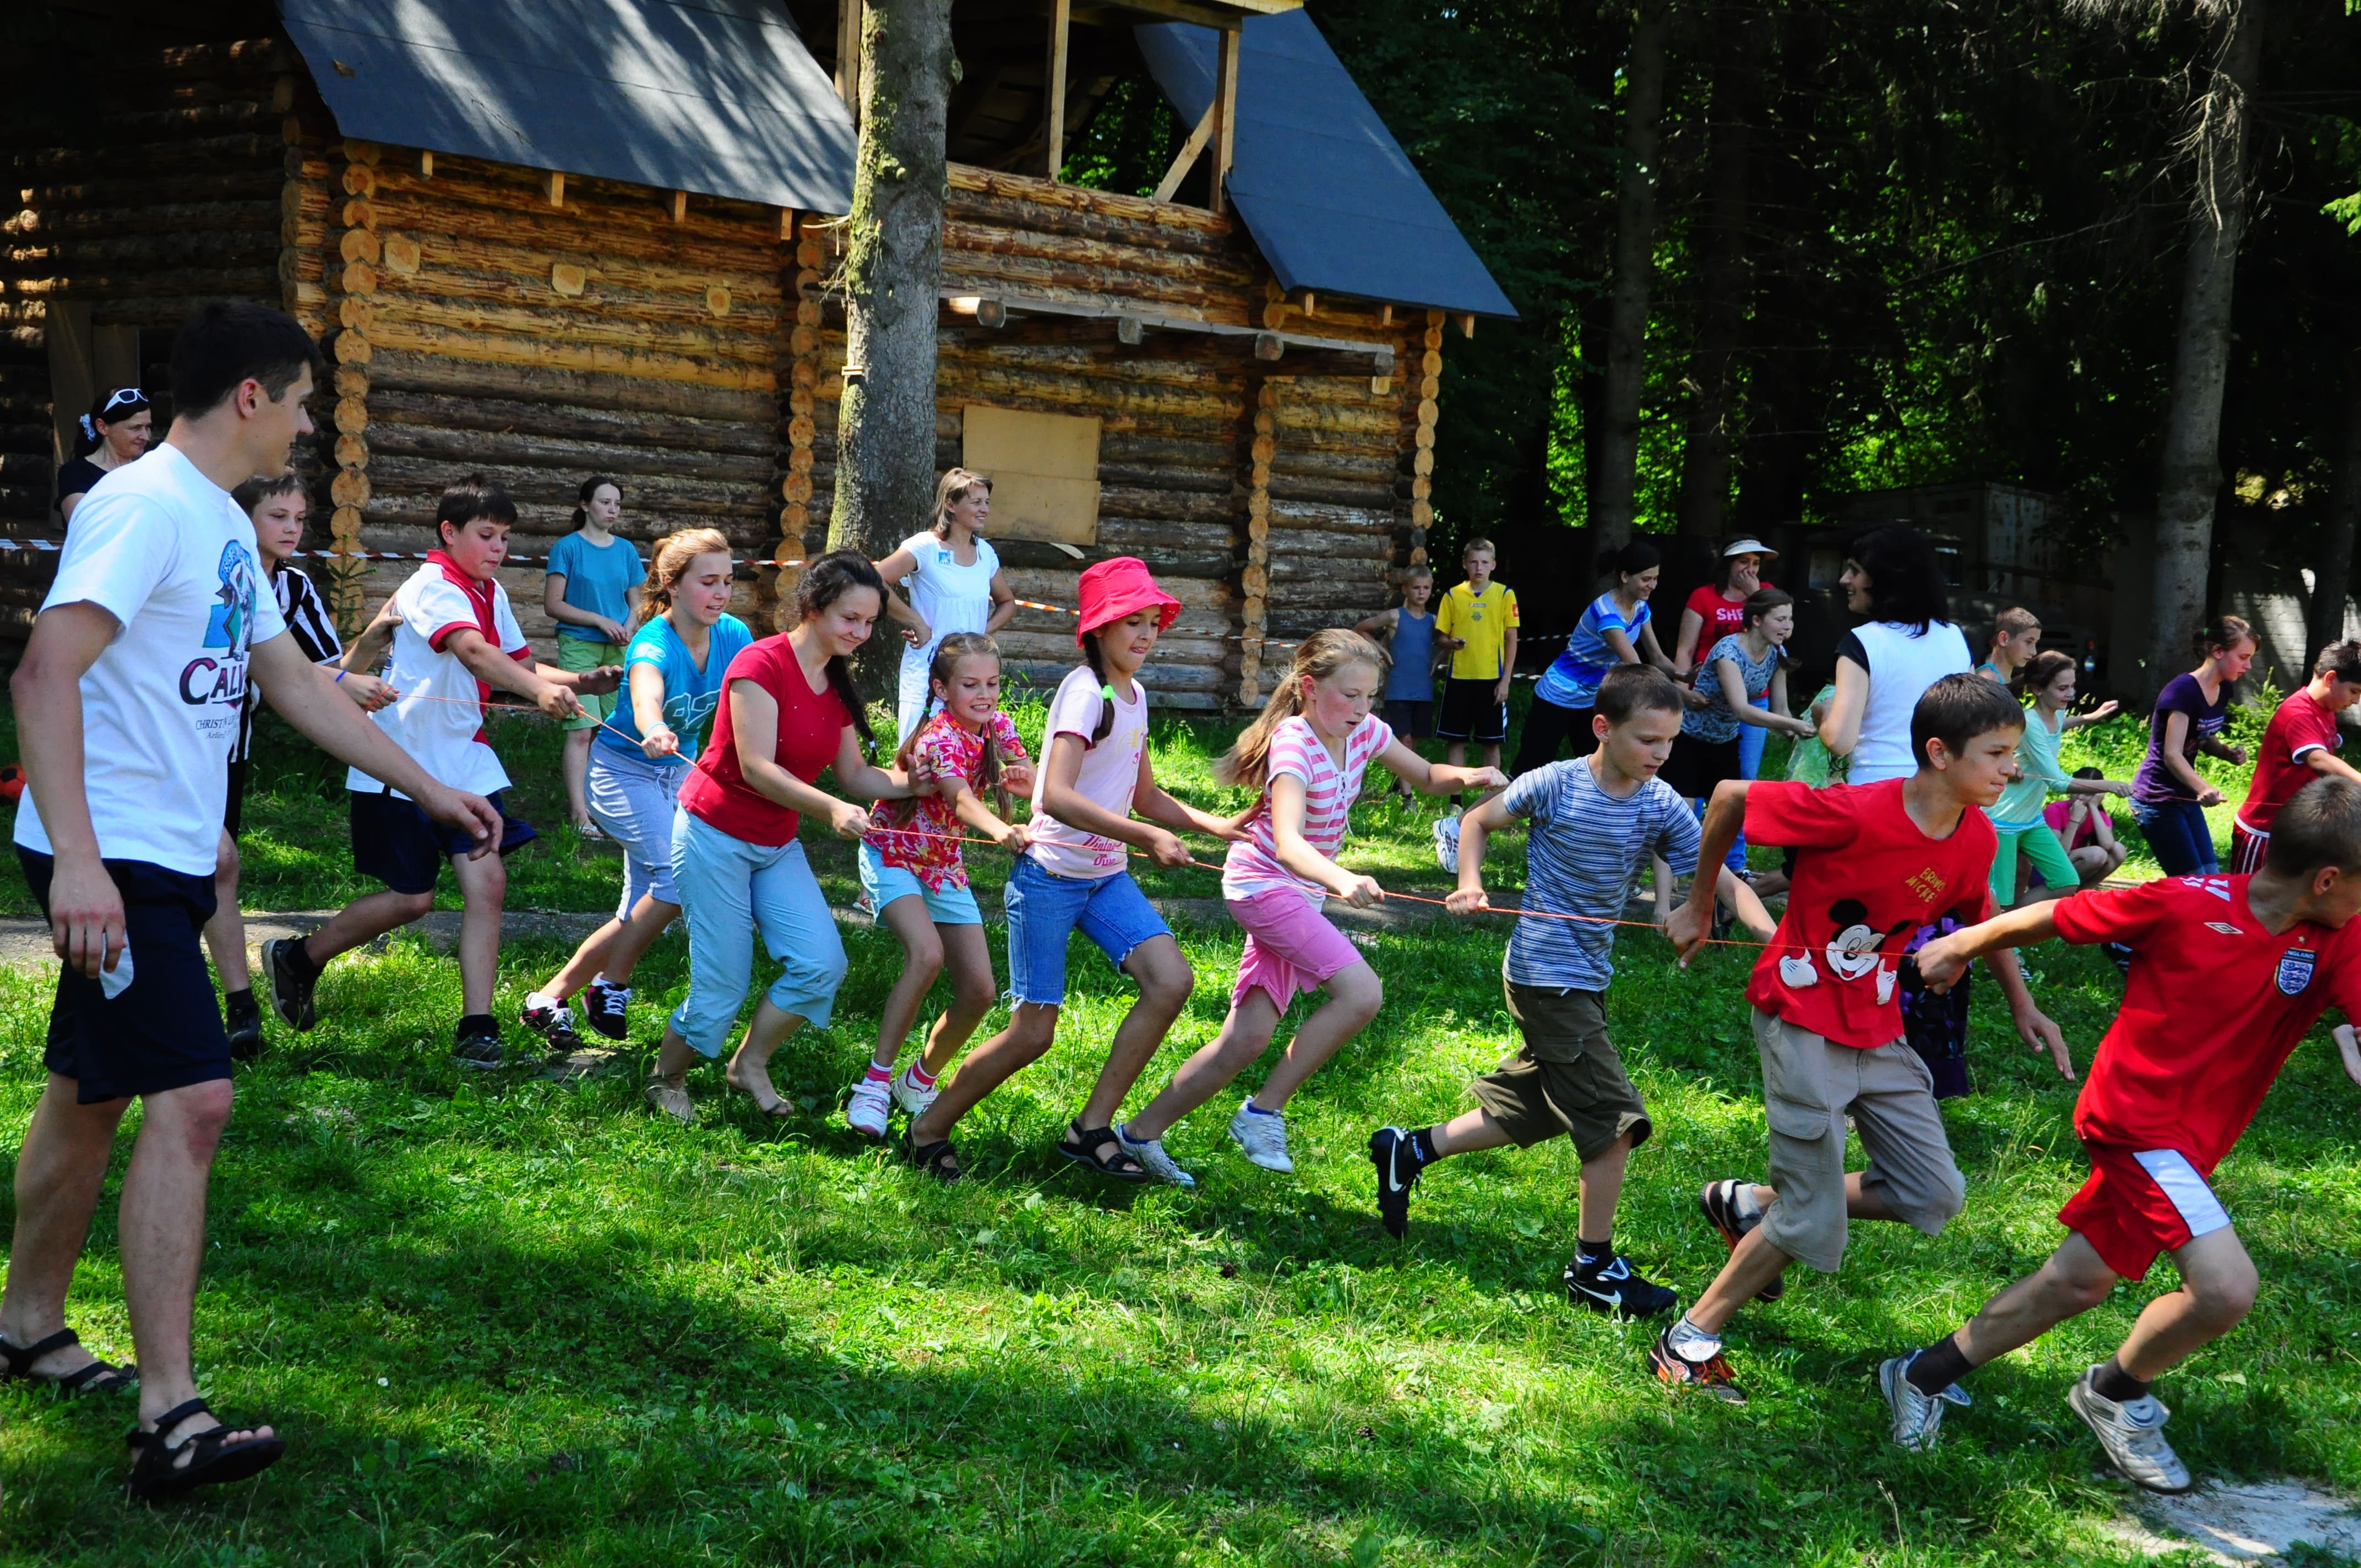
{"points": [[590, 487], [1321, 656]]}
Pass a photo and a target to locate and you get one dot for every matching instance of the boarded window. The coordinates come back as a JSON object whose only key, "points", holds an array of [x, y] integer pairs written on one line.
{"points": [[1044, 470]]}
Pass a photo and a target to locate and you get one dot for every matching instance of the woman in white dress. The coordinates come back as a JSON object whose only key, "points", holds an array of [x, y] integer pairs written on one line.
{"points": [[953, 578]]}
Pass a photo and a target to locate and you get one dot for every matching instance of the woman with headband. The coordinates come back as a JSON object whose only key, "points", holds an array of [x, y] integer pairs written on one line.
{"points": [[117, 430]]}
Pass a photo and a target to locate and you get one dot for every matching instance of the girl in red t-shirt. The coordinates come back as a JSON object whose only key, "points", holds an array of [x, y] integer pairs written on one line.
{"points": [[912, 868], [788, 712]]}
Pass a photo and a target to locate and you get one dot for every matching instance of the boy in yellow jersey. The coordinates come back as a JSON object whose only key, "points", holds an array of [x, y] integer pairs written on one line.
{"points": [[1478, 622]]}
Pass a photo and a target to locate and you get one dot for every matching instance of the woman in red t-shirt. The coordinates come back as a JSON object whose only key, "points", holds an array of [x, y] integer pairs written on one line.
{"points": [[1718, 609], [788, 712]]}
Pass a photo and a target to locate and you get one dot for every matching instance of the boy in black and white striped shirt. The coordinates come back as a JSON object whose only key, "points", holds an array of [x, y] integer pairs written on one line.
{"points": [[278, 506]]}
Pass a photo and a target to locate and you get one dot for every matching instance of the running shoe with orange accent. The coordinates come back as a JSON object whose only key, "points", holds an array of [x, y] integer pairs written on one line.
{"points": [[1711, 1375], [1720, 1201]]}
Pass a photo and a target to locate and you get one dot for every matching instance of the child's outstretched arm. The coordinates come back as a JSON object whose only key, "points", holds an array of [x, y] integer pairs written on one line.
{"points": [[1944, 960], [1744, 903], [2351, 1051], [539, 683], [1436, 778], [1476, 830], [1296, 853], [1692, 923], [969, 809], [2033, 1026], [2098, 715], [1062, 766]]}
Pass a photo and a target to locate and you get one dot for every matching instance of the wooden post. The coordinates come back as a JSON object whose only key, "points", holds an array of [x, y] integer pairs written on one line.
{"points": [[425, 165], [772, 583], [1253, 582], [1189, 153], [680, 206], [352, 290], [847, 55], [1062, 12], [1225, 99], [553, 185]]}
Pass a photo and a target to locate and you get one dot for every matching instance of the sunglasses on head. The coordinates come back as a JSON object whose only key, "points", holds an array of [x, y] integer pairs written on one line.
{"points": [[123, 395]]}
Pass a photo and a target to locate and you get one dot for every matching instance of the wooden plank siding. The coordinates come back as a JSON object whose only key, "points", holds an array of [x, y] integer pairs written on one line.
{"points": [[473, 326]]}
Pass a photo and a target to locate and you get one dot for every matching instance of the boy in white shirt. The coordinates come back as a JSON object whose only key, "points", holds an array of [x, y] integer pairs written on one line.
{"points": [[455, 640]]}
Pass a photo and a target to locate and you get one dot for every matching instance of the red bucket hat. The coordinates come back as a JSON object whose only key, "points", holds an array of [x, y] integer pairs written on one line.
{"points": [[1114, 589]]}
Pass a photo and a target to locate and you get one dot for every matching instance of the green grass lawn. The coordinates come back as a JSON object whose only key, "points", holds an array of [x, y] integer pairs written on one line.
{"points": [[513, 1322]]}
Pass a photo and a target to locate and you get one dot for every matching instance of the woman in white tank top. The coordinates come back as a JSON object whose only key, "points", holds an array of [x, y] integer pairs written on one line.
{"points": [[1885, 664], [953, 577]]}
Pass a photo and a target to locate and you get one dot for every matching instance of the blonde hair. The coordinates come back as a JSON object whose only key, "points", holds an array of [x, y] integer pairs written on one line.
{"points": [[954, 486], [1321, 656], [674, 553]]}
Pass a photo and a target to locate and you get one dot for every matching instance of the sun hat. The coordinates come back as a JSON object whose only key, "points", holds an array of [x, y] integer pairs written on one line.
{"points": [[1114, 589], [1752, 547]]}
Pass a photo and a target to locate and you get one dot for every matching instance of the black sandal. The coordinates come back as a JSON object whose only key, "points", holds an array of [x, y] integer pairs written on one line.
{"points": [[214, 1458], [937, 1159], [98, 1377], [1098, 1149]]}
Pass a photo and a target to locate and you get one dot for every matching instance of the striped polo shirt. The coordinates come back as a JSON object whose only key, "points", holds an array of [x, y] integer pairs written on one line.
{"points": [[1253, 865], [1583, 848]]}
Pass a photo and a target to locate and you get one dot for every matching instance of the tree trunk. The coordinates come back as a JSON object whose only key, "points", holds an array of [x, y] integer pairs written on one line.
{"points": [[893, 253], [1615, 497], [1721, 307], [2332, 572], [2190, 480]]}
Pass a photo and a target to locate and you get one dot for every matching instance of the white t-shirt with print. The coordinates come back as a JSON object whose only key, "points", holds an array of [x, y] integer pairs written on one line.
{"points": [[444, 737], [1253, 864], [167, 553], [1109, 775]]}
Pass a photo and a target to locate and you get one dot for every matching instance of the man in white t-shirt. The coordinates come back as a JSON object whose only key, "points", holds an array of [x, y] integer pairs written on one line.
{"points": [[127, 704]]}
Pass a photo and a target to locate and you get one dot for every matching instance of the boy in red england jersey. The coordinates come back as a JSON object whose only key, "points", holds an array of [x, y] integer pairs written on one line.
{"points": [[2226, 975], [2298, 746], [1875, 863]]}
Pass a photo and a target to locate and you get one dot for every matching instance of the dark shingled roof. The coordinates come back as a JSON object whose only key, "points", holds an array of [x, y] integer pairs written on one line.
{"points": [[716, 97], [1333, 202]]}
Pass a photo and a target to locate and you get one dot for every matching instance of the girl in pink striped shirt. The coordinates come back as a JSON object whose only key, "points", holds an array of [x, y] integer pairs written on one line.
{"points": [[1307, 751]]}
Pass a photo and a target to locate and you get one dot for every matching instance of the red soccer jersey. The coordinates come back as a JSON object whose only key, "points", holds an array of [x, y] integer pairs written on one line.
{"points": [[2300, 727], [2213, 1005], [1867, 877]]}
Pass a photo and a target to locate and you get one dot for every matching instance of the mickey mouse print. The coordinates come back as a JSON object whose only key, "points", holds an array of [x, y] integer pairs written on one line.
{"points": [[1866, 878]]}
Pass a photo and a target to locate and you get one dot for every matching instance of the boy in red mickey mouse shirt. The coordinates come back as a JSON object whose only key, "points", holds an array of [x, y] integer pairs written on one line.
{"points": [[2227, 974]]}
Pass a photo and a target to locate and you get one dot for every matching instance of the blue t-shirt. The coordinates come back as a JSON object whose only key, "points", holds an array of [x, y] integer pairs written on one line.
{"points": [[1412, 677], [690, 693], [1572, 680], [1583, 848], [599, 578]]}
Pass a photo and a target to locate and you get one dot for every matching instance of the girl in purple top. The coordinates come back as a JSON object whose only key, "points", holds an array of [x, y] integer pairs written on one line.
{"points": [[2169, 796]]}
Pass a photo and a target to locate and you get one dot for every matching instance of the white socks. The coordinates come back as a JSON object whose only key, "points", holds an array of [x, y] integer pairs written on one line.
{"points": [[1690, 1342]]}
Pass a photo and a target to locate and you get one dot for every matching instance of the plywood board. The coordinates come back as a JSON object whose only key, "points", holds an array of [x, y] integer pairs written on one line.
{"points": [[1044, 470]]}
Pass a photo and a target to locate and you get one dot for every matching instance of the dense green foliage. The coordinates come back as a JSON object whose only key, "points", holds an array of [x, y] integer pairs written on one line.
{"points": [[511, 1321]]}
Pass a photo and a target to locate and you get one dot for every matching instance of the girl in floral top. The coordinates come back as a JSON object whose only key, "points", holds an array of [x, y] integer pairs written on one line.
{"points": [[912, 871]]}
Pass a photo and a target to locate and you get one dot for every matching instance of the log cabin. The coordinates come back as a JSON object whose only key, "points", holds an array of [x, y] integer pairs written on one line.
{"points": [[599, 237]]}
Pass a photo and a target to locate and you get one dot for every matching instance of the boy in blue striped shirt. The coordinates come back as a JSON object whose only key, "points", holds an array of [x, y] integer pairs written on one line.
{"points": [[1592, 823]]}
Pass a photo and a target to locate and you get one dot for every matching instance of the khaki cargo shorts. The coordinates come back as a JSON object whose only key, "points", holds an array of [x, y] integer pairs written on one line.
{"points": [[1568, 1080], [1808, 1086]]}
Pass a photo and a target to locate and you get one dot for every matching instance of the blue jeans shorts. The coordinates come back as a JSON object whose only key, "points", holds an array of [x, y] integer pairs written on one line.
{"points": [[1044, 909], [883, 883]]}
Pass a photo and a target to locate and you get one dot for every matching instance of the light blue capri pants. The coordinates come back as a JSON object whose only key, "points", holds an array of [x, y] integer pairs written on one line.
{"points": [[729, 890], [635, 800]]}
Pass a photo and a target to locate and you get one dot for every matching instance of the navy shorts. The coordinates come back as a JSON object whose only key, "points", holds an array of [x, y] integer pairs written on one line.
{"points": [[406, 849], [164, 1031], [1470, 714]]}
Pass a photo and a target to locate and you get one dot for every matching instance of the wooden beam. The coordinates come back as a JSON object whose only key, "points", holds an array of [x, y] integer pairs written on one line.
{"points": [[1225, 102], [1054, 88], [1130, 331], [1310, 305], [553, 185], [786, 223], [1186, 158], [1468, 324], [680, 206], [1384, 315], [847, 55], [426, 166]]}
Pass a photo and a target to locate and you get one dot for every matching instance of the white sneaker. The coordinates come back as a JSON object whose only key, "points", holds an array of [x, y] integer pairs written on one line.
{"points": [[870, 1107], [1153, 1159], [1446, 841], [1263, 1136], [909, 1096], [1917, 1417], [2133, 1434]]}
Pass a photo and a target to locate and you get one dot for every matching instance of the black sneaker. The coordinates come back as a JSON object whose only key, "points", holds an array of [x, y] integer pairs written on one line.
{"points": [[477, 1044], [1390, 1152], [1711, 1375], [244, 1016], [1614, 1286], [555, 1024], [291, 978], [603, 1006], [1720, 1201]]}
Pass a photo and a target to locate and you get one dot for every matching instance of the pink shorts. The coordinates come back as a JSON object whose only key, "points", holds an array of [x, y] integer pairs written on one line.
{"points": [[1291, 945]]}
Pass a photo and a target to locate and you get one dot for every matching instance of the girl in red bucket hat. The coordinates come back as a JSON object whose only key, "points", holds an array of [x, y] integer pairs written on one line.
{"points": [[1090, 794]]}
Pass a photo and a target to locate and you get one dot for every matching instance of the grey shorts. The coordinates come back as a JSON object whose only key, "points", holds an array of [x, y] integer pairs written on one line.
{"points": [[1808, 1087]]}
